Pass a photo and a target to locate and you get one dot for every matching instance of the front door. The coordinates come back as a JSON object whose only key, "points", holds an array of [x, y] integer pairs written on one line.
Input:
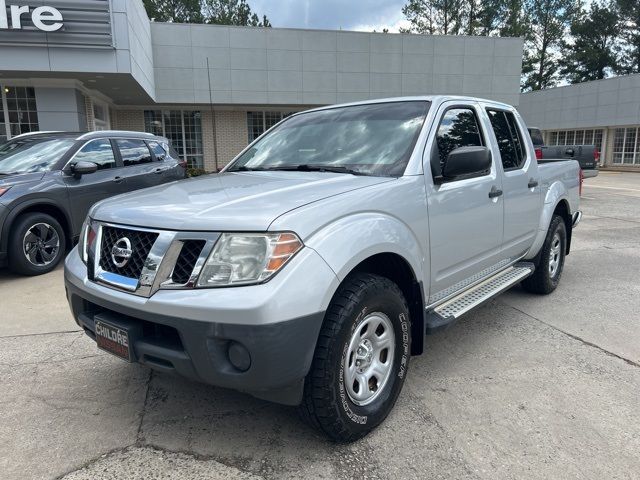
{"points": [[88, 189], [465, 216], [522, 196]]}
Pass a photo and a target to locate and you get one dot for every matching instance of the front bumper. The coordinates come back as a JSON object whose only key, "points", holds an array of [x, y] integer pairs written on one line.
{"points": [[189, 332]]}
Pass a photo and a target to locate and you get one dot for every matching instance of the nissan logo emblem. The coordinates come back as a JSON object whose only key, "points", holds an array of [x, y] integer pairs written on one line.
{"points": [[121, 252]]}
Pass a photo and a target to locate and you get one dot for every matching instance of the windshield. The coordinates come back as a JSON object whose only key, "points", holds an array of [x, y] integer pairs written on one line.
{"points": [[373, 139], [32, 155]]}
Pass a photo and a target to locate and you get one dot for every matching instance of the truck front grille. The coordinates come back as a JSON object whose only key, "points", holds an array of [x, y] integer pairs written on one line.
{"points": [[191, 250], [141, 243]]}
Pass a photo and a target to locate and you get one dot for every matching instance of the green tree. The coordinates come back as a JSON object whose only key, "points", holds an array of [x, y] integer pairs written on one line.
{"points": [[179, 11], [550, 20], [629, 14], [232, 12], [515, 21], [434, 16], [490, 17], [592, 51]]}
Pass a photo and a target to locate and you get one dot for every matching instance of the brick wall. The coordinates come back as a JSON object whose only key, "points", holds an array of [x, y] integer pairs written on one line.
{"points": [[128, 120], [232, 134]]}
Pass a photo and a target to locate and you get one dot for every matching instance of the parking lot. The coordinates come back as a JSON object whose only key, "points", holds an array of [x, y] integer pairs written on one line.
{"points": [[524, 387]]}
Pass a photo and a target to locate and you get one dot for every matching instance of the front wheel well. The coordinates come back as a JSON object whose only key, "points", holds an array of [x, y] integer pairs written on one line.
{"points": [[397, 269], [51, 210]]}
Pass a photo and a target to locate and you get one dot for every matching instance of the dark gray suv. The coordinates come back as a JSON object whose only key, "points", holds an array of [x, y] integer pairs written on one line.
{"points": [[48, 182]]}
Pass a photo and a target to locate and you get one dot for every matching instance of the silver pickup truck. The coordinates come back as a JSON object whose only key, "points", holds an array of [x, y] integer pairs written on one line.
{"points": [[310, 269]]}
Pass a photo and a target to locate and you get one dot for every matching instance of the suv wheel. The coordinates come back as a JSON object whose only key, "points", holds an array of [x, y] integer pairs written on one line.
{"points": [[36, 244], [549, 268], [361, 359]]}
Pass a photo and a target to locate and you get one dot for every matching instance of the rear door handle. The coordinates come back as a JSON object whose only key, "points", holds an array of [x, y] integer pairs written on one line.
{"points": [[532, 183], [118, 179], [495, 192], [158, 170]]}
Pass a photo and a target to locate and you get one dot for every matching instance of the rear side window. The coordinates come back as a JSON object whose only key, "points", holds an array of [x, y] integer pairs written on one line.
{"points": [[98, 152], [458, 128], [133, 152], [157, 150], [509, 139]]}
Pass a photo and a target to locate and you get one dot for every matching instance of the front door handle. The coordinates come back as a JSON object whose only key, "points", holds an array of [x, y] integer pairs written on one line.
{"points": [[532, 183], [158, 170], [495, 192], [118, 179]]}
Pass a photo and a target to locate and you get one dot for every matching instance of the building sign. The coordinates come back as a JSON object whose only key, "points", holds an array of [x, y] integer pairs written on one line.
{"points": [[77, 23], [47, 19]]}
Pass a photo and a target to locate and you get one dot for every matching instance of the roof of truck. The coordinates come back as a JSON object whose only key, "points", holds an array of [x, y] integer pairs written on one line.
{"points": [[428, 98]]}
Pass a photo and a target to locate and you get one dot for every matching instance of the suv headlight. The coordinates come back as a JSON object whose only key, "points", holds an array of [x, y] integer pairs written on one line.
{"points": [[247, 258]]}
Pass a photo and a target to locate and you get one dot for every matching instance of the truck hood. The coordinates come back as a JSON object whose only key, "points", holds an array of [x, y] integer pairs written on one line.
{"points": [[238, 201]]}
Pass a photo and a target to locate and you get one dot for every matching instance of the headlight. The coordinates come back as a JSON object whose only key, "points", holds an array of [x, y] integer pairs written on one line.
{"points": [[246, 258], [4, 190], [87, 238]]}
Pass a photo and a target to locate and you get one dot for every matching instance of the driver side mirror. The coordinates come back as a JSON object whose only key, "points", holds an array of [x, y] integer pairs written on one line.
{"points": [[83, 168], [467, 161]]}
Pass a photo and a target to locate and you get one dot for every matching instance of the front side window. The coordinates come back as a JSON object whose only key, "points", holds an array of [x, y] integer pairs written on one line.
{"points": [[508, 137], [98, 152], [28, 155], [373, 139], [458, 128], [133, 152]]}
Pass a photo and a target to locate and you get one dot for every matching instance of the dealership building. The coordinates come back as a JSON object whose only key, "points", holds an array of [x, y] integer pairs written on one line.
{"points": [[101, 64], [603, 112]]}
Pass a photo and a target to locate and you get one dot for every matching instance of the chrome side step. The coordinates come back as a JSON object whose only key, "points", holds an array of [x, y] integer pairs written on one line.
{"points": [[447, 313]]}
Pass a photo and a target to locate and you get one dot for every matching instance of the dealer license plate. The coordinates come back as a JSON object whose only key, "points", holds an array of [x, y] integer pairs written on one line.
{"points": [[114, 340]]}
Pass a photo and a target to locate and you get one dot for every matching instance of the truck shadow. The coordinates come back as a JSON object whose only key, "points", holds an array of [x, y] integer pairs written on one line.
{"points": [[252, 434]]}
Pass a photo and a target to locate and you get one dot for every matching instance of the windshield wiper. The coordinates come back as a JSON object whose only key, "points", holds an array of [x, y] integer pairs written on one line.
{"points": [[308, 167], [248, 169]]}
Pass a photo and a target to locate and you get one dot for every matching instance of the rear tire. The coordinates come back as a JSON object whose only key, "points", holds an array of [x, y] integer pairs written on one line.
{"points": [[37, 243], [548, 271], [361, 359]]}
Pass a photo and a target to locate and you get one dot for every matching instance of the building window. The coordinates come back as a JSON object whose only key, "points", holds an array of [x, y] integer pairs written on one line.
{"points": [[626, 146], [260, 122], [183, 128], [19, 113], [101, 116], [576, 137]]}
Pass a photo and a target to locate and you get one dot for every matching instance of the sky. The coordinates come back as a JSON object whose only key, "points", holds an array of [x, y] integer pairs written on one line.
{"points": [[360, 15]]}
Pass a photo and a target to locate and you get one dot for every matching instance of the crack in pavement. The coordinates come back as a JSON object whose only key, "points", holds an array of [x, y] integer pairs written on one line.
{"points": [[139, 440], [62, 332], [575, 337]]}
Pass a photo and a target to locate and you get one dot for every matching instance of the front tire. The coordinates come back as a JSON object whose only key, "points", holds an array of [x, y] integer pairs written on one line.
{"points": [[36, 244], [548, 271], [361, 359]]}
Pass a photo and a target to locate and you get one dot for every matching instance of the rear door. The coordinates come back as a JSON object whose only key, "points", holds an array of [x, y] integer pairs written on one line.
{"points": [[520, 181], [88, 189], [465, 216], [167, 168], [140, 169]]}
